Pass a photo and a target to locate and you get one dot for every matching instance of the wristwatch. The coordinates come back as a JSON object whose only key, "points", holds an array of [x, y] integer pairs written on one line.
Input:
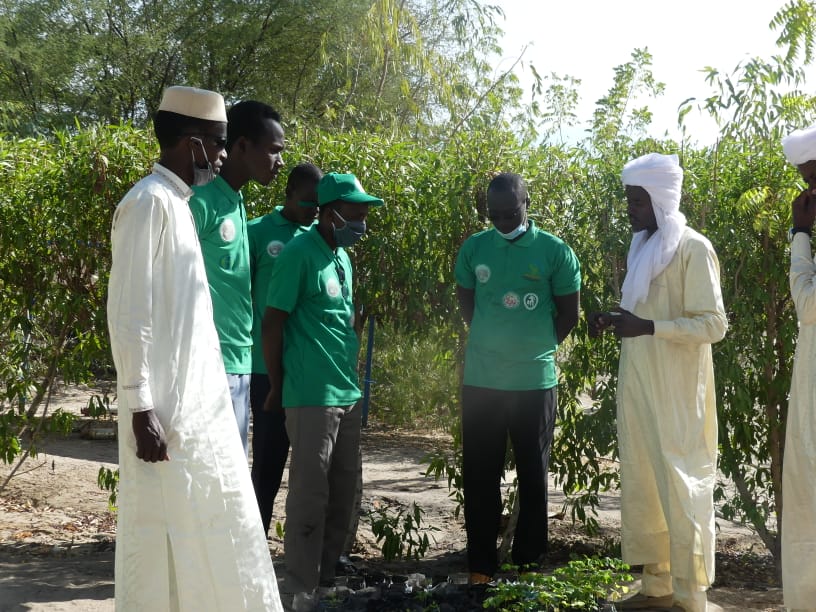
{"points": [[795, 230]]}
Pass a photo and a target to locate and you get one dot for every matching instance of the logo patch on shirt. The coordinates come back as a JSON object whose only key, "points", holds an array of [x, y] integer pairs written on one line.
{"points": [[532, 274], [227, 230], [332, 287], [482, 273], [511, 300], [274, 248], [530, 301]]}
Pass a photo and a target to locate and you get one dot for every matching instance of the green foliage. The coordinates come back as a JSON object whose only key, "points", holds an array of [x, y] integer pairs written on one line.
{"points": [[403, 65], [401, 535], [613, 115], [99, 406], [416, 380], [583, 584], [10, 445], [108, 480], [795, 24], [448, 465], [55, 212]]}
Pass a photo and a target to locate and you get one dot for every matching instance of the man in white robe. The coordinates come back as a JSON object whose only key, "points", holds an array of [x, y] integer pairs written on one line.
{"points": [[189, 534], [671, 312], [799, 470]]}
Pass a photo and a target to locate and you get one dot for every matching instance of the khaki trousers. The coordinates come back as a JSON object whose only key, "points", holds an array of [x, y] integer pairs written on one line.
{"points": [[323, 467]]}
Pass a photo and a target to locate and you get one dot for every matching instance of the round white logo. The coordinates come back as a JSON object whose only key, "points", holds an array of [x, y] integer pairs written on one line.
{"points": [[227, 230], [274, 248], [332, 287], [530, 301], [511, 300], [482, 273]]}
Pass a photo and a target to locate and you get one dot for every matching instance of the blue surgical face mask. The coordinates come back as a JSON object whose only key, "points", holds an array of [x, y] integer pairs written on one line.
{"points": [[350, 233], [201, 176], [512, 235]]}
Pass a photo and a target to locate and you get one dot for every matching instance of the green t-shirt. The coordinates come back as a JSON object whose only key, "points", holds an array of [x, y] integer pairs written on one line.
{"points": [[512, 340], [267, 237], [313, 284], [220, 221]]}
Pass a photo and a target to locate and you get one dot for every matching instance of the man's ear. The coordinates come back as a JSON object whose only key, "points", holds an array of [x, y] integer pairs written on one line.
{"points": [[241, 144]]}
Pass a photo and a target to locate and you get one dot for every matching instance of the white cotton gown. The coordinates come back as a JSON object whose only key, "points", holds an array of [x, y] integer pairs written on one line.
{"points": [[667, 420], [799, 469], [189, 532]]}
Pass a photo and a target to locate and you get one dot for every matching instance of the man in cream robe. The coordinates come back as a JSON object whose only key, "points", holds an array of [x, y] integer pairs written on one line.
{"points": [[671, 312], [189, 532], [799, 469]]}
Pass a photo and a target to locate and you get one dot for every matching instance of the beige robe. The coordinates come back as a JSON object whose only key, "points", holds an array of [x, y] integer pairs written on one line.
{"points": [[799, 470], [667, 420], [189, 532]]}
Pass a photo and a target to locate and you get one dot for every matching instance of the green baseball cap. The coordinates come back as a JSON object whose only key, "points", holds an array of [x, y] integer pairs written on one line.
{"points": [[335, 186]]}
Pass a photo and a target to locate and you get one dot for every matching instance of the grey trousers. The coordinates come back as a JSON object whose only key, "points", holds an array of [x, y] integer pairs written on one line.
{"points": [[324, 462]]}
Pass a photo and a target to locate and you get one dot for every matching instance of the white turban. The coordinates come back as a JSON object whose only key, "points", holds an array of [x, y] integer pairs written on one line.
{"points": [[662, 178], [800, 146]]}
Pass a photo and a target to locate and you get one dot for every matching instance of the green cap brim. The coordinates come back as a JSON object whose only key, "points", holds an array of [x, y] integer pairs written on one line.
{"points": [[307, 204], [362, 198]]}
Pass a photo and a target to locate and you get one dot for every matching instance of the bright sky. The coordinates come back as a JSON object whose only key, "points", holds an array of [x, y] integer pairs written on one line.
{"points": [[586, 39]]}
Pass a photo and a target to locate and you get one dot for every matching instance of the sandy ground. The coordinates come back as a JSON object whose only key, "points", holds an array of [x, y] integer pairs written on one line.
{"points": [[57, 535]]}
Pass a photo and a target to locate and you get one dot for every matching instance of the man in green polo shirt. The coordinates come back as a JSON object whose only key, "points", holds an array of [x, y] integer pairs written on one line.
{"points": [[518, 289], [254, 146], [268, 235], [310, 347]]}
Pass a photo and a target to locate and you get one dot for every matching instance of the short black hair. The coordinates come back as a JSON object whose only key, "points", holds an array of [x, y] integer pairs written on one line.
{"points": [[302, 174], [171, 127], [508, 181], [247, 119]]}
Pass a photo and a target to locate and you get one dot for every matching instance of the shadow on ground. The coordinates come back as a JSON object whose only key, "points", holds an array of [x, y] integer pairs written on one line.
{"points": [[36, 575]]}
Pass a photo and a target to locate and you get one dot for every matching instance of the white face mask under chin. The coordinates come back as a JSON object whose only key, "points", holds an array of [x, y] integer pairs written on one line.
{"points": [[515, 233], [201, 176]]}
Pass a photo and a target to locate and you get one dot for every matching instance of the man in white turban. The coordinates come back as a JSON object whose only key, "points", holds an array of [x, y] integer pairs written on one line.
{"points": [[799, 470], [189, 532], [671, 312]]}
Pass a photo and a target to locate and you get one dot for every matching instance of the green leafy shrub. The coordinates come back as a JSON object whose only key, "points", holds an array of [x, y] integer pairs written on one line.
{"points": [[108, 480], [583, 584], [55, 211], [402, 535], [416, 383]]}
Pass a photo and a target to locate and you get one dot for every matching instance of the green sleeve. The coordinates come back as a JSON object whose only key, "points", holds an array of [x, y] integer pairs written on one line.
{"points": [[286, 283], [463, 271], [566, 278], [202, 213]]}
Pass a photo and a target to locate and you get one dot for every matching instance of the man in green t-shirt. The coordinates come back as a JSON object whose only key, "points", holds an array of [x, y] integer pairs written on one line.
{"points": [[518, 290], [268, 235], [254, 146], [310, 348]]}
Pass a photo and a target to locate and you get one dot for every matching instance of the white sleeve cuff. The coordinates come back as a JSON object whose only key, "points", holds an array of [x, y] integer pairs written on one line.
{"points": [[664, 329], [137, 397]]}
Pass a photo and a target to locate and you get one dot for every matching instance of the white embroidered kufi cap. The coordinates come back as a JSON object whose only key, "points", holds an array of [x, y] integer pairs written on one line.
{"points": [[800, 146], [194, 102]]}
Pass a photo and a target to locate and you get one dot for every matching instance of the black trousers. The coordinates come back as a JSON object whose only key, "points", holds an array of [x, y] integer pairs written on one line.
{"points": [[270, 448], [488, 416]]}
